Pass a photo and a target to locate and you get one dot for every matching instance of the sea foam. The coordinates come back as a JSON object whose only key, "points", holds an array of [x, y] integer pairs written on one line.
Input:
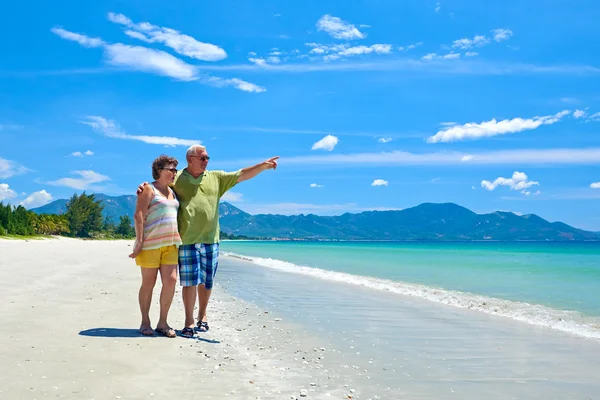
{"points": [[561, 320]]}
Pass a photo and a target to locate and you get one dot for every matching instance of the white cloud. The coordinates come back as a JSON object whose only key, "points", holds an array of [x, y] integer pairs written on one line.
{"points": [[517, 182], [410, 46], [493, 127], [150, 60], [595, 185], [143, 59], [37, 199], [236, 83], [327, 143], [111, 129], [336, 51], [384, 139], [9, 168], [358, 50], [502, 34], [544, 157], [338, 28], [86, 180], [471, 53], [434, 56], [83, 40], [277, 15], [233, 197], [437, 7], [314, 185], [434, 180], [6, 192], [477, 41], [579, 114], [80, 154], [379, 182], [595, 117], [181, 43]]}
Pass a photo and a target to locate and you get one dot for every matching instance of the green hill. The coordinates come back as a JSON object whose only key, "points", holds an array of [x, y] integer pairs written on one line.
{"points": [[427, 221]]}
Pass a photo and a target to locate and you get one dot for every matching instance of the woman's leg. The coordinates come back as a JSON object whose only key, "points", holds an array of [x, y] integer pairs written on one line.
{"points": [[168, 275], [145, 297]]}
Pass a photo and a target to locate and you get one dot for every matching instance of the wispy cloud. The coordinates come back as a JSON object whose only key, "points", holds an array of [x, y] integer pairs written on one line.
{"points": [[233, 197], [595, 185], [6, 192], [410, 46], [540, 157], [83, 40], [433, 56], [518, 182], [87, 179], [37, 199], [578, 114], [339, 29], [315, 185], [379, 182], [327, 143], [111, 129], [10, 168], [179, 42], [498, 35], [501, 35], [493, 127], [80, 154], [437, 7], [143, 59], [384, 139], [337, 51]]}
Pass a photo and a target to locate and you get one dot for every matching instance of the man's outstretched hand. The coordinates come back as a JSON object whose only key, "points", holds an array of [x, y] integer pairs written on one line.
{"points": [[140, 188], [271, 163]]}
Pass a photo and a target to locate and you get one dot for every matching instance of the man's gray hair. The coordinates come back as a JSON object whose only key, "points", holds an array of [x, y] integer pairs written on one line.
{"points": [[193, 149]]}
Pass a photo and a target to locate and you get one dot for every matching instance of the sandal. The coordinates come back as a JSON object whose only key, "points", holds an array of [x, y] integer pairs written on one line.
{"points": [[146, 331], [202, 324], [187, 332], [168, 332]]}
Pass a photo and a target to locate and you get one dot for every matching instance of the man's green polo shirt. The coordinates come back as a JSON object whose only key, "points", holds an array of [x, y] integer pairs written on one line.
{"points": [[198, 216]]}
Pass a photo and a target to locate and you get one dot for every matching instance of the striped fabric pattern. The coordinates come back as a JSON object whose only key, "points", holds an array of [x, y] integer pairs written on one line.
{"points": [[160, 226]]}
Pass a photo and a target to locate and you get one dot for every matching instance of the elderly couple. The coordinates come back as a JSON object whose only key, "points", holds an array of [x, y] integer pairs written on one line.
{"points": [[177, 225]]}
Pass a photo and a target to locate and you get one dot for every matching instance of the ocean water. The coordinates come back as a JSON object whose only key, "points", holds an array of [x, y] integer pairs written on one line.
{"points": [[552, 285]]}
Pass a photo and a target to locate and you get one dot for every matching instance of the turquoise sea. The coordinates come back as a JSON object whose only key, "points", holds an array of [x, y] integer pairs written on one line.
{"points": [[554, 285]]}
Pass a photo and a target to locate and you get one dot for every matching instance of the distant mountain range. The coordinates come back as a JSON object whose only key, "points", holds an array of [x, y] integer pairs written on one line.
{"points": [[427, 221]]}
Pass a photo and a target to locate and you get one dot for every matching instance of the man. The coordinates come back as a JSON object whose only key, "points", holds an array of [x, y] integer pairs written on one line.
{"points": [[199, 191]]}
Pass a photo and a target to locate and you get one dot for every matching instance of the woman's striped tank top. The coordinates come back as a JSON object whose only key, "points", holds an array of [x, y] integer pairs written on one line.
{"points": [[160, 226]]}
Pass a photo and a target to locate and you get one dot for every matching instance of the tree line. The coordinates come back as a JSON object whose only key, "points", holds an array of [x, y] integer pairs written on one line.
{"points": [[82, 218]]}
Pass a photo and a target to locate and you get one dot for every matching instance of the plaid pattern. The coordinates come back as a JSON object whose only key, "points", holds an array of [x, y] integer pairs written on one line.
{"points": [[198, 264]]}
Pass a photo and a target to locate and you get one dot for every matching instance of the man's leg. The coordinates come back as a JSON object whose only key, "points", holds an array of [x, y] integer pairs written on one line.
{"points": [[203, 297], [209, 263], [145, 298], [168, 275], [189, 277]]}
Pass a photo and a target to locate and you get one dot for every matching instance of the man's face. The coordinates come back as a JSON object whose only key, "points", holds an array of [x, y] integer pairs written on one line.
{"points": [[199, 160]]}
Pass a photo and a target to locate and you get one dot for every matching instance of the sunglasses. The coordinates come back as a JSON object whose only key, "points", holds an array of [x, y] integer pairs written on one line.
{"points": [[202, 158], [173, 170]]}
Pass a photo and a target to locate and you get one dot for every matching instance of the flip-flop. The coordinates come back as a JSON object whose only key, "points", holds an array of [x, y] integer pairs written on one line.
{"points": [[168, 332], [187, 332], [202, 324], [147, 331]]}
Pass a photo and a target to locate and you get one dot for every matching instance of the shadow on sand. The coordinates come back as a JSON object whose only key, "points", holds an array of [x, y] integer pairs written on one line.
{"points": [[133, 333]]}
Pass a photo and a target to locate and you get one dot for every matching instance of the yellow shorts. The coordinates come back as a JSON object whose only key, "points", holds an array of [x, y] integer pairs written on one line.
{"points": [[167, 255]]}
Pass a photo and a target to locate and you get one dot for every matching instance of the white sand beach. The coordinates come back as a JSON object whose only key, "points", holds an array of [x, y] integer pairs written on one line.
{"points": [[68, 330]]}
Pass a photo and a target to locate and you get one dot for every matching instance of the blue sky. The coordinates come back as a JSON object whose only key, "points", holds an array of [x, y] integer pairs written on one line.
{"points": [[371, 105]]}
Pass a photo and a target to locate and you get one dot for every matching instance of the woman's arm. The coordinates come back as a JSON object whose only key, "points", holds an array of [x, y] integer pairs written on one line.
{"points": [[141, 207]]}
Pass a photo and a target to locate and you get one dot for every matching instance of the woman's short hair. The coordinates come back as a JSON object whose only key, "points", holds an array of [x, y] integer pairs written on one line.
{"points": [[160, 163]]}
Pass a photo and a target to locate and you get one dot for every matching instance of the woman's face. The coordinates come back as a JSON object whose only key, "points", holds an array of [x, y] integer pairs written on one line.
{"points": [[168, 173]]}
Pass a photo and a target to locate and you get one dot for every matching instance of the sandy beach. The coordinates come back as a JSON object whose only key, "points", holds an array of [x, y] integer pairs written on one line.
{"points": [[68, 330]]}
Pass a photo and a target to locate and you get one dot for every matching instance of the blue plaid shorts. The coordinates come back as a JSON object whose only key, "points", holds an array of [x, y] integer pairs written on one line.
{"points": [[198, 264]]}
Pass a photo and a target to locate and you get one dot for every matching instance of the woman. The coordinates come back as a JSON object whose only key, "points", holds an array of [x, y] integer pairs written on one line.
{"points": [[157, 242]]}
